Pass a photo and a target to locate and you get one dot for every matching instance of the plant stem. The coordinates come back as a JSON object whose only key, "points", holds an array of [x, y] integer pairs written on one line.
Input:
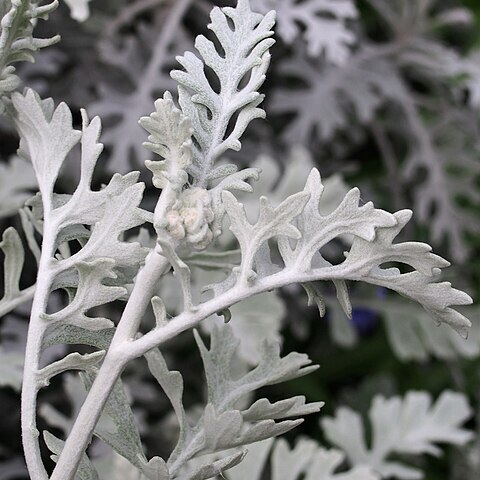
{"points": [[143, 290], [190, 319], [81, 433], [124, 349], [30, 385], [114, 363], [111, 369]]}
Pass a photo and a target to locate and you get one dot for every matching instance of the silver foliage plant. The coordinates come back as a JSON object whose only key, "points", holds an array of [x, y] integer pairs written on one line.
{"points": [[420, 426], [87, 251], [17, 42], [377, 86]]}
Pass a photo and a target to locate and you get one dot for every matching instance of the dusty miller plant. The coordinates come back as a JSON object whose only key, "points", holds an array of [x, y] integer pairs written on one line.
{"points": [[86, 251], [380, 83]]}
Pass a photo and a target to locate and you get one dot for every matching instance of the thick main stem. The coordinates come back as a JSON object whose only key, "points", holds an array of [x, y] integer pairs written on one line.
{"points": [[30, 385], [112, 367], [114, 363]]}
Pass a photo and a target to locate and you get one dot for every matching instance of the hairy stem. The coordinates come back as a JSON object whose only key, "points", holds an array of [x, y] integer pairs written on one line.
{"points": [[144, 288], [146, 282], [190, 319], [124, 348], [30, 386], [111, 369]]}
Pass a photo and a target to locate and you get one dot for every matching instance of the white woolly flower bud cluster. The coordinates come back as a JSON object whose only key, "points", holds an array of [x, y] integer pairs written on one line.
{"points": [[191, 217]]}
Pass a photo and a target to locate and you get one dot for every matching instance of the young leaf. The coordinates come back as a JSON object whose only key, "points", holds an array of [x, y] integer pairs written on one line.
{"points": [[171, 138], [47, 136], [16, 39], [245, 48]]}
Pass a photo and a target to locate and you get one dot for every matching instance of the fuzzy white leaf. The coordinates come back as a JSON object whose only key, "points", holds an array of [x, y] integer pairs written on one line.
{"points": [[411, 425], [272, 222], [100, 269], [419, 285], [225, 391], [245, 52], [317, 230], [170, 137], [373, 231], [16, 39], [223, 426], [91, 292], [73, 361], [47, 136], [306, 460], [172, 384]]}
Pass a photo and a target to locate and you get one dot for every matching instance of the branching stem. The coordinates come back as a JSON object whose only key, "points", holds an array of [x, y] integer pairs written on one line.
{"points": [[124, 348], [146, 283]]}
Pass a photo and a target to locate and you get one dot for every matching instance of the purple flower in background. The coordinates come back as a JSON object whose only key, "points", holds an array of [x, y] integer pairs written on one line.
{"points": [[365, 320]]}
